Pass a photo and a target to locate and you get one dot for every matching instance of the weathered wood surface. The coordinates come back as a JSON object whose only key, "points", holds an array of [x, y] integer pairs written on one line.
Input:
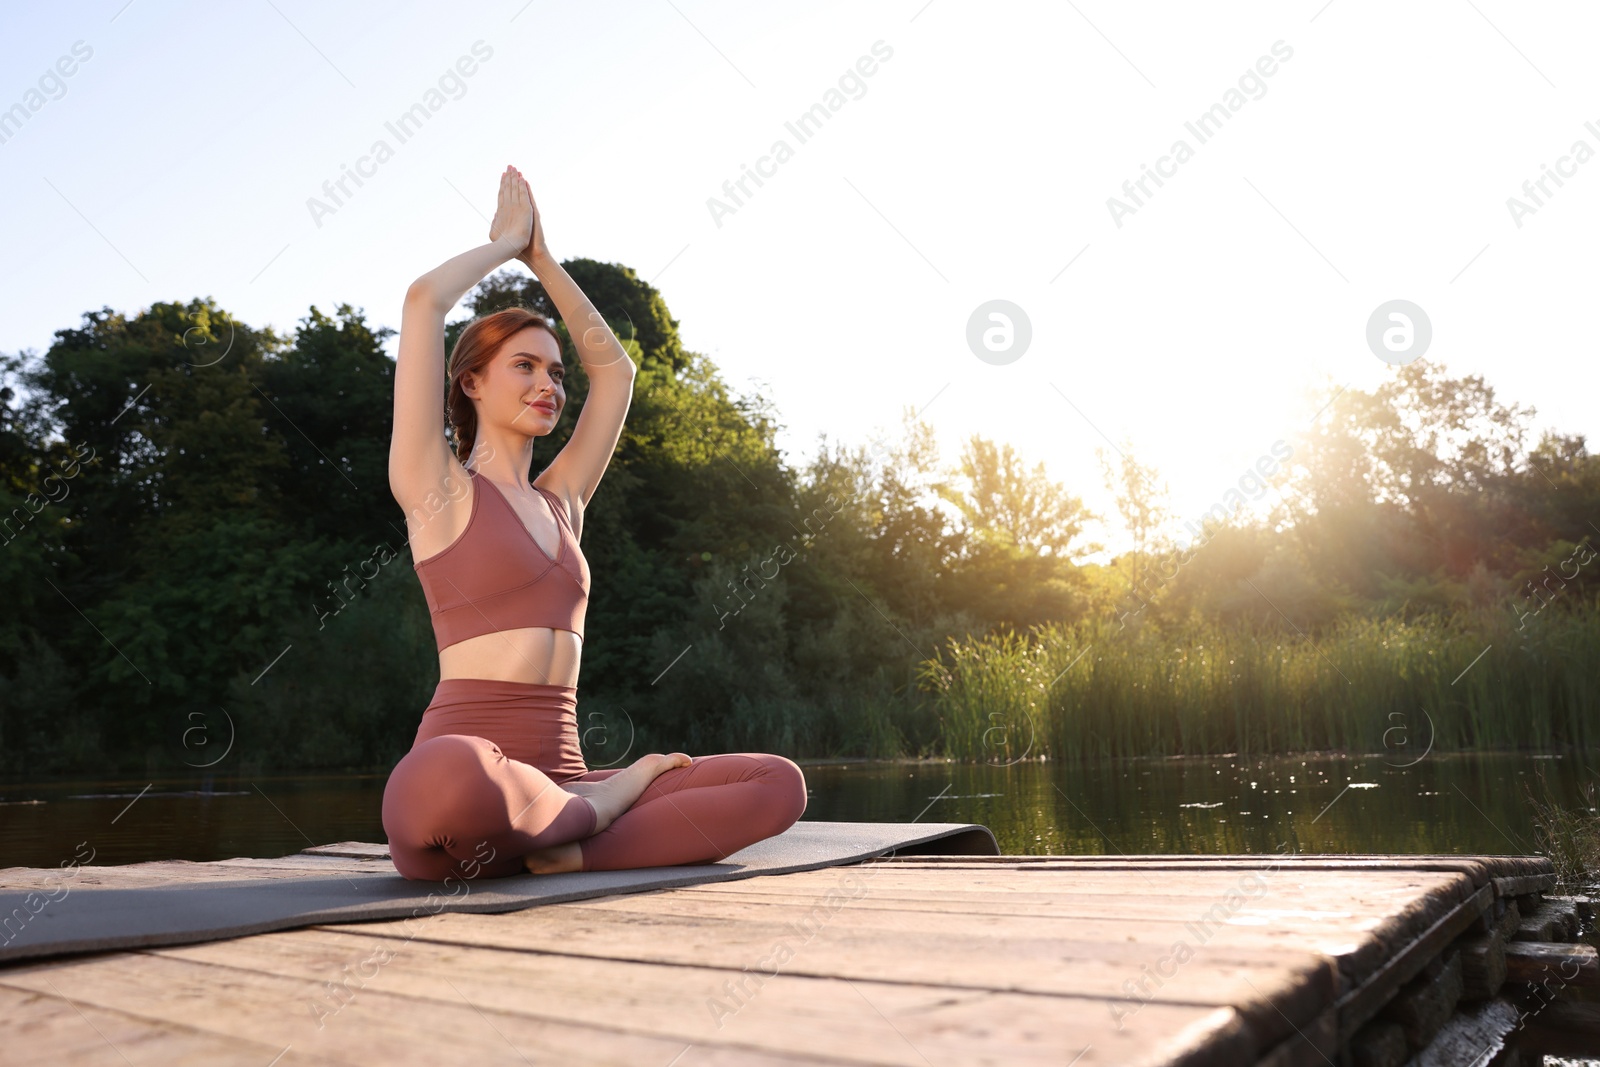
{"points": [[1483, 966], [1425, 1004], [1564, 965], [1509, 921], [1550, 921], [914, 960]]}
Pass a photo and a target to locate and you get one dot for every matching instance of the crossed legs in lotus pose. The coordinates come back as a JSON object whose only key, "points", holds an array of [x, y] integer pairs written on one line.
{"points": [[455, 805], [694, 813]]}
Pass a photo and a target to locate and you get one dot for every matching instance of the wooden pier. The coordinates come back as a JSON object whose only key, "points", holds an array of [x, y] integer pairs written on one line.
{"points": [[917, 960]]}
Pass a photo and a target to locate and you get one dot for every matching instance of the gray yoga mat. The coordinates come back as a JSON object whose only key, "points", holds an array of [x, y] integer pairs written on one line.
{"points": [[41, 915]]}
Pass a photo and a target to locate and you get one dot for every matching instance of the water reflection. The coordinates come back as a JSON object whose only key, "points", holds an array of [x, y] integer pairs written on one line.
{"points": [[1332, 804]]}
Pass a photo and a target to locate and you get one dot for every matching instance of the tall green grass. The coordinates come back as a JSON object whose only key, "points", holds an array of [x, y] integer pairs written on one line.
{"points": [[1090, 690], [1568, 833]]}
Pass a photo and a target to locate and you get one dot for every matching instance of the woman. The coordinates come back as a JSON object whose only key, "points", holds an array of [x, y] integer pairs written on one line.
{"points": [[495, 783]]}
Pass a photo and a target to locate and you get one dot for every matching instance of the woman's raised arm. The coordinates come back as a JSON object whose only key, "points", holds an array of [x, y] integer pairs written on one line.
{"points": [[575, 472], [419, 456]]}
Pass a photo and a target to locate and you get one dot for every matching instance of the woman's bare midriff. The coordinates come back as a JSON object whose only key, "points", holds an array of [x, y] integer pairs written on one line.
{"points": [[527, 654]]}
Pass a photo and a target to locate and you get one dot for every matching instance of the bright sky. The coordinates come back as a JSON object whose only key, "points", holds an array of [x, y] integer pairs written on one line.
{"points": [[973, 163]]}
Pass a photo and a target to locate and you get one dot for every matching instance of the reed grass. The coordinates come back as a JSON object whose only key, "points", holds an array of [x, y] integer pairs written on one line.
{"points": [[1092, 690], [1568, 835]]}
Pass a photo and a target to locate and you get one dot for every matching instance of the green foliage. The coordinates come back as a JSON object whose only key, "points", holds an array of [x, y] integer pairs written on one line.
{"points": [[197, 526]]}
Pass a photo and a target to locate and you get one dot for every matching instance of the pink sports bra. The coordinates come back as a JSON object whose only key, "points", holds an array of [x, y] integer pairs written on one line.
{"points": [[496, 577]]}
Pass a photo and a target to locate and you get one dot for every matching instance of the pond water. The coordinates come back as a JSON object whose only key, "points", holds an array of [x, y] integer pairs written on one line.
{"points": [[1468, 803]]}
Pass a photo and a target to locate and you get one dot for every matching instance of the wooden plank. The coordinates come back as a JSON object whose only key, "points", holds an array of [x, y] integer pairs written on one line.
{"points": [[1482, 869], [1495, 866], [1313, 1045], [1350, 863], [1380, 1044], [378, 1028], [1074, 939], [44, 1027], [1550, 921], [1509, 921], [1359, 944], [1286, 910], [1361, 1004], [1369, 894], [778, 1009], [1271, 991], [1576, 964], [432, 1003], [1325, 916], [1582, 906], [1483, 966], [353, 849], [1136, 880], [1423, 1005], [1517, 885]]}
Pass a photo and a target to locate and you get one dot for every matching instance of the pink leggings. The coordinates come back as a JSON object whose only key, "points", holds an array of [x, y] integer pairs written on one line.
{"points": [[482, 787]]}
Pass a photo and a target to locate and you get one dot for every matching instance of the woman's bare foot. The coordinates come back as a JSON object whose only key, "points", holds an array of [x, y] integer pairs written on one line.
{"points": [[618, 793], [557, 859], [610, 798]]}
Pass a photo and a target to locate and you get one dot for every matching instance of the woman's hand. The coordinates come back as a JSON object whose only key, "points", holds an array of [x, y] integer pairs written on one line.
{"points": [[535, 248], [514, 217]]}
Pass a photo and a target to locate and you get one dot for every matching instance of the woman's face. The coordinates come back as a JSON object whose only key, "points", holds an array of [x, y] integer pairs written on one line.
{"points": [[525, 381]]}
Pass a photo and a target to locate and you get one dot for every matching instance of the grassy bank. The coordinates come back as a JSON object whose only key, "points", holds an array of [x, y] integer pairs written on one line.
{"points": [[1090, 691]]}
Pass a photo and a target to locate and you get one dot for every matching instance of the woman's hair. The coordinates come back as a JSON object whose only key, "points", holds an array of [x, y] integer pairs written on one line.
{"points": [[474, 350]]}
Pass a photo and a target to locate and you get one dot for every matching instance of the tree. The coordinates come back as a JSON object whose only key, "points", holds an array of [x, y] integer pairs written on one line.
{"points": [[633, 308], [1417, 432], [1004, 505], [1416, 478], [330, 399], [1139, 501]]}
